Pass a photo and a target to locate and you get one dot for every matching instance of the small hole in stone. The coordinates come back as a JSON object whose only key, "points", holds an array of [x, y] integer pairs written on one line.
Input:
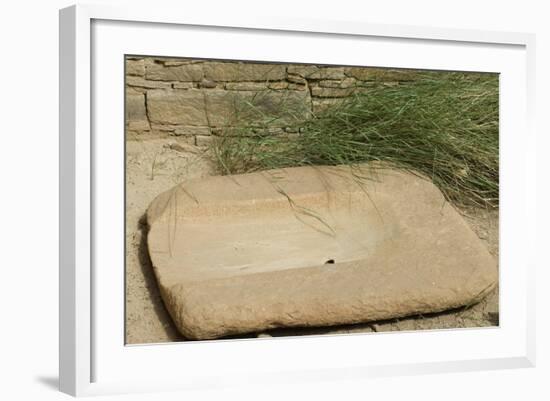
{"points": [[329, 262]]}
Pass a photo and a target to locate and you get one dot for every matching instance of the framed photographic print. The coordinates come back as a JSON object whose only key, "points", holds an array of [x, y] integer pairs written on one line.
{"points": [[265, 200]]}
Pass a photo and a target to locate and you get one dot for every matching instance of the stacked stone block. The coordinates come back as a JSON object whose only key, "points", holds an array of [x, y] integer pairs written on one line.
{"points": [[192, 100]]}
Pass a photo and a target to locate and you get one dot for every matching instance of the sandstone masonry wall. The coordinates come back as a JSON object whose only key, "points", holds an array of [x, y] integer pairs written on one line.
{"points": [[193, 100]]}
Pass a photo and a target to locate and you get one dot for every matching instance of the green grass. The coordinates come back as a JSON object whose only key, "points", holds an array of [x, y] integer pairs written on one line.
{"points": [[442, 125]]}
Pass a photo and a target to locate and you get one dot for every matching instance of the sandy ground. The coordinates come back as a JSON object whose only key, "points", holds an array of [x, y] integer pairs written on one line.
{"points": [[154, 166]]}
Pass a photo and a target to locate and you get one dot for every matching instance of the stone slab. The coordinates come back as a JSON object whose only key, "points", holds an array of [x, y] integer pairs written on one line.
{"points": [[136, 115], [184, 107], [227, 71], [307, 247], [381, 74], [183, 72]]}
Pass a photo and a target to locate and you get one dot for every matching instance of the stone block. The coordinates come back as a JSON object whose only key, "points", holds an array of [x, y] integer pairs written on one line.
{"points": [[142, 83], [178, 107], [181, 72], [381, 74], [136, 116], [232, 255], [296, 79], [316, 72], [207, 84], [236, 71], [279, 85], [246, 86], [296, 87], [182, 85], [176, 62], [338, 83], [135, 67]]}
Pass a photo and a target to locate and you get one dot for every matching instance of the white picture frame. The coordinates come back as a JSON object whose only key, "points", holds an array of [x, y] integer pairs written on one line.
{"points": [[93, 357]]}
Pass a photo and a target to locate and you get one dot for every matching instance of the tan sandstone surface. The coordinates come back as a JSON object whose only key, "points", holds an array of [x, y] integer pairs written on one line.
{"points": [[154, 166], [309, 247]]}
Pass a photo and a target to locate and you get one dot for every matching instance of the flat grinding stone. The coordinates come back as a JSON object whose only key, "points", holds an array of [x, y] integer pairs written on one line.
{"points": [[311, 246]]}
